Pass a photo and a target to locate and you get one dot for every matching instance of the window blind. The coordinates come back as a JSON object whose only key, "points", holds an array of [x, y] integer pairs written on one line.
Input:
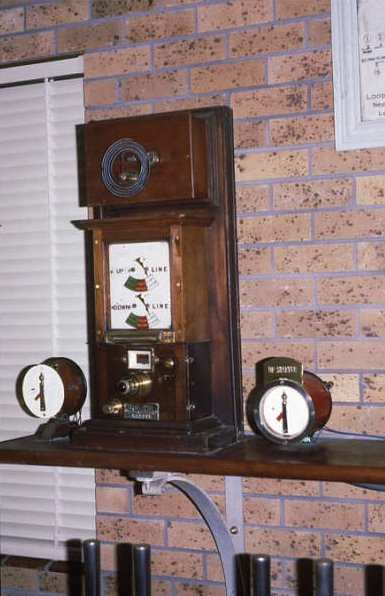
{"points": [[42, 300]]}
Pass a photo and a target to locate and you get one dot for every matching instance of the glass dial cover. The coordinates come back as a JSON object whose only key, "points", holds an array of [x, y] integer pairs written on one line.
{"points": [[285, 412]]}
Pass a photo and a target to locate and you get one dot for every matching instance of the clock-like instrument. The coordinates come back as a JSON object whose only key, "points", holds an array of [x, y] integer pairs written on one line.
{"points": [[166, 365], [54, 391], [288, 405]]}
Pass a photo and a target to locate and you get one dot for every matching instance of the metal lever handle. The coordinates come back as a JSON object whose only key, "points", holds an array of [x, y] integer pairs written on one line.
{"points": [[253, 575], [323, 571], [91, 551], [130, 175]]}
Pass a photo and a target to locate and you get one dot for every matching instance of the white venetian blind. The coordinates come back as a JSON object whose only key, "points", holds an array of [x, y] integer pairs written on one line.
{"points": [[42, 296]]}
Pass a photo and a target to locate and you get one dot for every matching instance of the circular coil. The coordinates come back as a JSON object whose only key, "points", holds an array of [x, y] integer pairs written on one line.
{"points": [[110, 180]]}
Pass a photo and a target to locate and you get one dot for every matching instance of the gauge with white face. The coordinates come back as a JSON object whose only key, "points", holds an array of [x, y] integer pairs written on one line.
{"points": [[55, 387], [42, 391], [284, 412]]}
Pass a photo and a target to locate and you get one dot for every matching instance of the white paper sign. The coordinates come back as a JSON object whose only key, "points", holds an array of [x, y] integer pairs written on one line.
{"points": [[371, 37]]}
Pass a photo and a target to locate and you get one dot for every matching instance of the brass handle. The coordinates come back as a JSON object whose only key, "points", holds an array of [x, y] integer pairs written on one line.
{"points": [[114, 407], [131, 175], [138, 384]]}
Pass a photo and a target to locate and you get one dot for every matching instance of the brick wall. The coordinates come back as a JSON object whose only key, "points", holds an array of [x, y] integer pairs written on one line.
{"points": [[311, 254]]}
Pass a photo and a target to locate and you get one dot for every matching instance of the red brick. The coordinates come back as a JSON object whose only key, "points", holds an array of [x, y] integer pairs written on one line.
{"points": [[351, 289], [226, 76], [111, 500], [253, 261], [298, 67], [117, 529], [372, 323], [371, 256], [349, 492], [320, 323], [349, 224], [352, 355], [218, 99], [159, 25], [174, 563], [320, 32], [355, 548], [18, 577], [254, 351], [272, 164], [207, 482], [298, 8], [264, 511], [252, 197], [103, 476], [279, 292], [125, 111], [51, 580], [274, 228], [357, 419], [171, 503], [374, 387], [345, 387], [248, 383], [304, 129], [268, 102], [340, 516], [249, 134], [11, 21], [282, 543], [200, 49], [99, 92], [27, 47], [275, 38], [103, 8], [313, 258], [371, 190], [167, 3], [214, 568], [272, 486], [256, 325], [160, 587], [196, 535], [196, 589], [321, 96], [89, 37], [40, 16], [234, 14], [312, 194], [153, 85], [117, 62], [349, 580], [326, 160]]}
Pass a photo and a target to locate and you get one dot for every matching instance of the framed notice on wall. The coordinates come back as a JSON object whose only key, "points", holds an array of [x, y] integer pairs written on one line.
{"points": [[358, 42]]}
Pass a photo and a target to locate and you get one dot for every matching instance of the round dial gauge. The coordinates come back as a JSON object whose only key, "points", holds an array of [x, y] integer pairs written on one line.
{"points": [[283, 411], [42, 391], [57, 386]]}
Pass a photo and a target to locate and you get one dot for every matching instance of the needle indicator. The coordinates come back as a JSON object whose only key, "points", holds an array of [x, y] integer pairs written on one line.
{"points": [[284, 414]]}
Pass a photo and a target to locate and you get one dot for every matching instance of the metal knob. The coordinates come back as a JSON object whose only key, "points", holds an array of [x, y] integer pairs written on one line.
{"points": [[113, 407], [169, 363], [138, 384]]}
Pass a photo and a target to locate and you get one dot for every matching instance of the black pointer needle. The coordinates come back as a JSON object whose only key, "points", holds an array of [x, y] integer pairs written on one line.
{"points": [[284, 414]]}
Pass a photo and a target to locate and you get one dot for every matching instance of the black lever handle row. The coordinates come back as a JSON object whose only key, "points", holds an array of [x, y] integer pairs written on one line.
{"points": [[253, 572]]}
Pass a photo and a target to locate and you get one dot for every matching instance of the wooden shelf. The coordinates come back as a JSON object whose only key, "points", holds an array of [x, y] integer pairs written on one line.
{"points": [[339, 460]]}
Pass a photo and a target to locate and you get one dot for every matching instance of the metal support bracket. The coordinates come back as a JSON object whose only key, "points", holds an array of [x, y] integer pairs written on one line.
{"points": [[228, 536]]}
